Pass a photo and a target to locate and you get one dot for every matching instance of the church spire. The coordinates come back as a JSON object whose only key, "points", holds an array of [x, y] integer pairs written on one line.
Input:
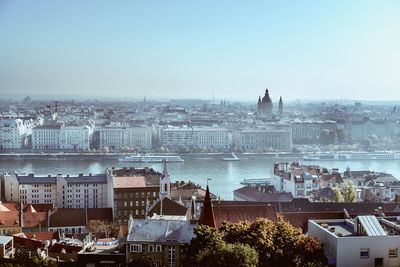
{"points": [[207, 213], [165, 182], [165, 171]]}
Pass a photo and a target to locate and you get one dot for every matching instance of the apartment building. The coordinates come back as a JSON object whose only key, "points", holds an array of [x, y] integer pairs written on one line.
{"points": [[82, 191], [14, 133], [116, 137]]}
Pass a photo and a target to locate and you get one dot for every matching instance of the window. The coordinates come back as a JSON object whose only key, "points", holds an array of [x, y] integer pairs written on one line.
{"points": [[393, 252], [151, 248], [364, 253], [135, 248], [158, 248]]}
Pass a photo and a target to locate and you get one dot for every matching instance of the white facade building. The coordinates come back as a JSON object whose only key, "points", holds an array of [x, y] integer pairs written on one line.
{"points": [[265, 139], [125, 137], [14, 133], [46, 137], [64, 191], [295, 179], [204, 137], [367, 241], [75, 137]]}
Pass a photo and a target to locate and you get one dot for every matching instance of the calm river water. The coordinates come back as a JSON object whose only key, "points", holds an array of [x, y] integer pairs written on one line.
{"points": [[226, 175]]}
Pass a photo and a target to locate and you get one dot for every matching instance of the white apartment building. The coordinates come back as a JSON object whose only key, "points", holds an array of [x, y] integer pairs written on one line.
{"points": [[14, 133], [82, 191], [205, 137], [212, 137], [138, 137], [295, 179], [265, 139], [174, 137], [46, 137], [366, 241], [115, 137], [75, 137]]}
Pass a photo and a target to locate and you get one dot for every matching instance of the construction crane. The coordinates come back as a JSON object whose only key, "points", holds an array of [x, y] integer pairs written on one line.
{"points": [[55, 106]]}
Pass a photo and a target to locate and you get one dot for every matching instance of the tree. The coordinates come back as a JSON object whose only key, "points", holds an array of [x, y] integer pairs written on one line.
{"points": [[348, 192], [345, 192], [141, 261], [276, 244], [28, 258], [227, 255], [106, 229]]}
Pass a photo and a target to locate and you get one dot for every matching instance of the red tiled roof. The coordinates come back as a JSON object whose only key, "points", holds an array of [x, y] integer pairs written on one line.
{"points": [[249, 213], [68, 217], [129, 182], [9, 219], [33, 219], [12, 206], [42, 236], [77, 217]]}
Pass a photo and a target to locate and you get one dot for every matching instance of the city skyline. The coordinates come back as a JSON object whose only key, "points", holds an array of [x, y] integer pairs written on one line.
{"points": [[339, 50]]}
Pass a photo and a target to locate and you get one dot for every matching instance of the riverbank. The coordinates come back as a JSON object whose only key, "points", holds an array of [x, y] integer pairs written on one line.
{"points": [[116, 156]]}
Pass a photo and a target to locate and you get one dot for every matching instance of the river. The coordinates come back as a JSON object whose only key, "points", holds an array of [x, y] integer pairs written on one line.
{"points": [[226, 175]]}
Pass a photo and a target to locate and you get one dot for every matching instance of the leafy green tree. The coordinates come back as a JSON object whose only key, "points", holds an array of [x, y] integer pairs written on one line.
{"points": [[141, 261], [276, 243], [345, 192], [227, 255]]}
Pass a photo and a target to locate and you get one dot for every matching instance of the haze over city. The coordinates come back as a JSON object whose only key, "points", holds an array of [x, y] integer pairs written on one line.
{"points": [[179, 49]]}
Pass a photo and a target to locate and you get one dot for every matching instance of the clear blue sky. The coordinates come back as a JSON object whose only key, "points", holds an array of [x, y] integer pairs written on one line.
{"points": [[298, 49]]}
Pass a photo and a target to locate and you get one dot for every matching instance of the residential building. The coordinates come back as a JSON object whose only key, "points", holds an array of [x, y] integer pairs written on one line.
{"points": [[46, 137], [163, 238], [203, 137], [117, 137], [294, 178], [75, 137], [67, 191], [132, 191], [265, 139], [15, 133]]}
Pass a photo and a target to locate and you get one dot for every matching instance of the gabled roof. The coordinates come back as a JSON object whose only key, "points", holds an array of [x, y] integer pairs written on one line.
{"points": [[9, 219], [77, 217], [34, 219], [169, 207]]}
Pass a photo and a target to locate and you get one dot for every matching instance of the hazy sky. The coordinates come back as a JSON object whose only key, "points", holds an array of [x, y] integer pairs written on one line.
{"points": [[175, 49]]}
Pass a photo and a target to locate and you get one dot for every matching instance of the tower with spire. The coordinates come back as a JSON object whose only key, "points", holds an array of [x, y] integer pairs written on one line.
{"points": [[165, 182], [207, 212], [280, 107]]}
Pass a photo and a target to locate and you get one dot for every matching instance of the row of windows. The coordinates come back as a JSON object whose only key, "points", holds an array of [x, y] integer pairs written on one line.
{"points": [[137, 248], [365, 253]]}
